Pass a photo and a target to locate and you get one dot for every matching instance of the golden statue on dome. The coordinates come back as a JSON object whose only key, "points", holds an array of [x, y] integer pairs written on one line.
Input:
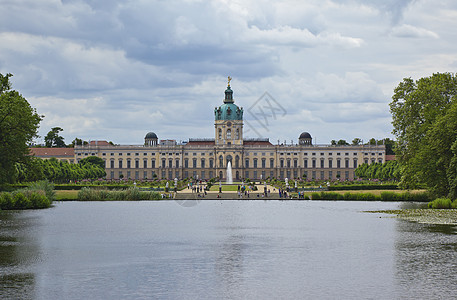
{"points": [[229, 79]]}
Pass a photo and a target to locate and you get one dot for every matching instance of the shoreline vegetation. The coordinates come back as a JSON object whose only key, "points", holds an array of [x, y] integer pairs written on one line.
{"points": [[424, 215]]}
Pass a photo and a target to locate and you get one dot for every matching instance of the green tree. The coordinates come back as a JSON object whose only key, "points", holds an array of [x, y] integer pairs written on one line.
{"points": [[94, 160], [18, 126], [356, 141], [342, 143], [424, 115], [53, 139]]}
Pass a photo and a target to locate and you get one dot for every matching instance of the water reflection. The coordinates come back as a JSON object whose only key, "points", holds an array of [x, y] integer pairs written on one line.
{"points": [[18, 252], [425, 260]]}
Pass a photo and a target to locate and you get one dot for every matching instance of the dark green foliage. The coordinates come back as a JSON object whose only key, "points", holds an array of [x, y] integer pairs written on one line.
{"points": [[18, 126], [389, 170], [424, 116], [93, 160], [57, 171], [53, 139], [38, 195]]}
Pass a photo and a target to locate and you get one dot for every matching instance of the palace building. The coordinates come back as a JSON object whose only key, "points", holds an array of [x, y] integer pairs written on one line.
{"points": [[250, 158]]}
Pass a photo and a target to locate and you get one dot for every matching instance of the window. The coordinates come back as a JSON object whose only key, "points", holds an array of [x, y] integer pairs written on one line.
{"points": [[194, 163], [322, 163], [111, 164], [153, 163], [229, 134], [137, 164], [170, 163], [203, 163], [264, 162], [338, 163], [288, 163], [281, 163], [330, 163], [255, 164], [237, 134], [272, 163], [177, 163], [145, 164], [128, 164], [314, 164], [221, 161], [305, 163], [136, 154], [355, 163], [186, 163], [246, 164], [163, 163], [120, 164], [220, 134], [295, 163], [237, 161], [211, 164]]}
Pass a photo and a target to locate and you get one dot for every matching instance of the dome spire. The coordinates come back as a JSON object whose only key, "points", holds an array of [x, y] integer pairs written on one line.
{"points": [[228, 92]]}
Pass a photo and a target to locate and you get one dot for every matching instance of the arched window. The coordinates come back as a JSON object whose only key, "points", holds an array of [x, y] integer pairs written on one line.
{"points": [[221, 162], [229, 134], [237, 161], [237, 134], [220, 134]]}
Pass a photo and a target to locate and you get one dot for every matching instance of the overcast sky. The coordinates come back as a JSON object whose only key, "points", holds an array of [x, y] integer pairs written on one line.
{"points": [[115, 70]]}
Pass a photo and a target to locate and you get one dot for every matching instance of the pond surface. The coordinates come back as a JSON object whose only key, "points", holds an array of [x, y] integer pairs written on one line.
{"points": [[223, 250]]}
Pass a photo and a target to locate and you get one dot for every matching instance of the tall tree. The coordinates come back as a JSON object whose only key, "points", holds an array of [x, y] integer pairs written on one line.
{"points": [[53, 139], [424, 117], [356, 141], [18, 126]]}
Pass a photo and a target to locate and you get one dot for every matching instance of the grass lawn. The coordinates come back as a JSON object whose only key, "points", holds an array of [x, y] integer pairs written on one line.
{"points": [[225, 188], [66, 195]]}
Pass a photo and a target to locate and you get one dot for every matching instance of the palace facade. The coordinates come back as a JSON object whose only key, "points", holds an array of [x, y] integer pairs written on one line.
{"points": [[249, 158]]}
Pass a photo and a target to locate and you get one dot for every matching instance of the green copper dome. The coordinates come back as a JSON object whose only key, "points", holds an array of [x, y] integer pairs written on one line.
{"points": [[228, 110]]}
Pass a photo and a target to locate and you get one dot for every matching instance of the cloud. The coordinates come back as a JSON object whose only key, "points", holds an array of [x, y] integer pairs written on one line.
{"points": [[410, 31], [115, 70]]}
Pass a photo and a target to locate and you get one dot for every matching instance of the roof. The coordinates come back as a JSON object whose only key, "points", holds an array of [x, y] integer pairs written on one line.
{"points": [[390, 157], [150, 135], [52, 152], [200, 143], [257, 143], [99, 143], [305, 135]]}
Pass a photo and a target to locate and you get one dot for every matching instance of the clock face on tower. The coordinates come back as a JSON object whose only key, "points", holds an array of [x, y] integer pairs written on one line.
{"points": [[229, 124]]}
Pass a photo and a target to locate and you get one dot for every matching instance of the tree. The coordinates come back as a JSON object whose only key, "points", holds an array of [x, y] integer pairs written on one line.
{"points": [[53, 139], [94, 160], [342, 143], [424, 117], [356, 141], [18, 126]]}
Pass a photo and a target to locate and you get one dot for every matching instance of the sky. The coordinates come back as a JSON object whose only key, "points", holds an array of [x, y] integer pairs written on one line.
{"points": [[116, 70]]}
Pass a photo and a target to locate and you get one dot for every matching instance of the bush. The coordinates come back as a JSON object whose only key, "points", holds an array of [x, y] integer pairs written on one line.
{"points": [[37, 195], [21, 201], [45, 186], [131, 194], [442, 203], [6, 201]]}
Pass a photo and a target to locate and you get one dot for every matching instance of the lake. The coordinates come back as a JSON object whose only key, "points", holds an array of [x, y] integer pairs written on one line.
{"points": [[223, 250]]}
